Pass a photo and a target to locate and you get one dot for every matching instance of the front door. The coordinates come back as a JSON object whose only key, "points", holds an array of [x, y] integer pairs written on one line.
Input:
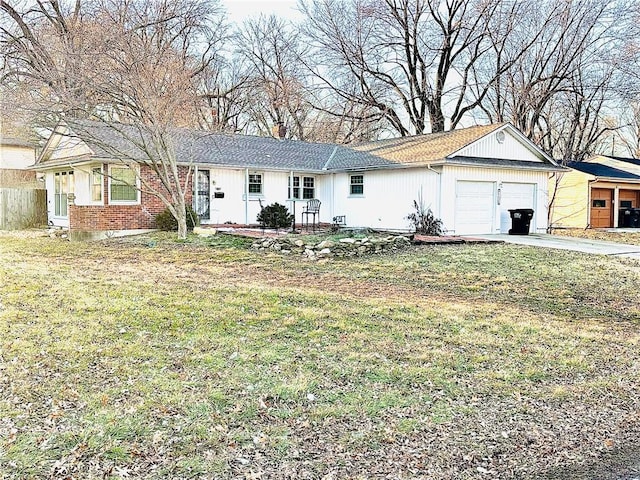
{"points": [[601, 208], [203, 192]]}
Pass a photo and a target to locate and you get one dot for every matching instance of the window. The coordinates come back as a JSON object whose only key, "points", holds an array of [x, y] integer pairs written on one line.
{"points": [[626, 204], [308, 188], [255, 184], [357, 185], [63, 186], [96, 184], [296, 187], [599, 203], [123, 187]]}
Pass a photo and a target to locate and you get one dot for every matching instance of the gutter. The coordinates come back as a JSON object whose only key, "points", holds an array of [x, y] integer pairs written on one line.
{"points": [[616, 180], [438, 210], [533, 167], [86, 158]]}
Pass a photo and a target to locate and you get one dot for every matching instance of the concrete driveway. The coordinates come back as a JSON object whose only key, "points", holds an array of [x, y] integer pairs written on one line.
{"points": [[569, 243]]}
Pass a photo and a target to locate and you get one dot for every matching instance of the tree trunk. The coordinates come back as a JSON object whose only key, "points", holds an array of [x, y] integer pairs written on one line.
{"points": [[181, 217]]}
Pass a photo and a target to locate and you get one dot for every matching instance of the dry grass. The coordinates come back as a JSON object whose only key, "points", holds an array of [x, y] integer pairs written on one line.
{"points": [[631, 238], [147, 358]]}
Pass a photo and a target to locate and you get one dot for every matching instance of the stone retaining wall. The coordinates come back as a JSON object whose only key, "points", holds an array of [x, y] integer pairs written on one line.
{"points": [[345, 247]]}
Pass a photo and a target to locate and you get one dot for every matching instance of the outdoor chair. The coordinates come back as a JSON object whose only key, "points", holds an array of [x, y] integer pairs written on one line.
{"points": [[312, 208]]}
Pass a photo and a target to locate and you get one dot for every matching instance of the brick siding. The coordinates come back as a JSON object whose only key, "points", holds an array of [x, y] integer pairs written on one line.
{"points": [[107, 217]]}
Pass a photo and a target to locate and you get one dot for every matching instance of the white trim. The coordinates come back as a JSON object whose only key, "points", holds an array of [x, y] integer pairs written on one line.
{"points": [[255, 194], [91, 184], [351, 184], [136, 172]]}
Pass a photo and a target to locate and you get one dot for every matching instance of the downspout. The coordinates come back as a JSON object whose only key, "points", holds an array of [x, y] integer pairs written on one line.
{"points": [[439, 196], [333, 194], [292, 199], [589, 183], [246, 196], [615, 206]]}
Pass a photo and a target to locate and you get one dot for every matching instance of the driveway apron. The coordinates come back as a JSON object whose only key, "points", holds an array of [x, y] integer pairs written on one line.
{"points": [[584, 245]]}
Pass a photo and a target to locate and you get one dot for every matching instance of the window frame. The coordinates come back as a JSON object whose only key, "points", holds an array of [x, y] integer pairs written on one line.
{"points": [[303, 186], [353, 184], [61, 191], [96, 179], [135, 172], [260, 183]]}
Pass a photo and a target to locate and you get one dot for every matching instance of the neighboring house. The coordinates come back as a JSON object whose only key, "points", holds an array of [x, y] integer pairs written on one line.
{"points": [[594, 192], [22, 196], [17, 156], [470, 178]]}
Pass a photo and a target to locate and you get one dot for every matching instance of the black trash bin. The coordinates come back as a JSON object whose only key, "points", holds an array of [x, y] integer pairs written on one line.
{"points": [[520, 221], [634, 221], [624, 217]]}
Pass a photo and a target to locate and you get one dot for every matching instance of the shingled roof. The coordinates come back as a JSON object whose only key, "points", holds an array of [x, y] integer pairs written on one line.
{"points": [[225, 150], [603, 171], [17, 135], [246, 151], [421, 149]]}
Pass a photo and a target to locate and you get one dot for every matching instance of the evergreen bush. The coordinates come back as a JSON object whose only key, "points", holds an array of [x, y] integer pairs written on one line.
{"points": [[167, 222], [275, 216]]}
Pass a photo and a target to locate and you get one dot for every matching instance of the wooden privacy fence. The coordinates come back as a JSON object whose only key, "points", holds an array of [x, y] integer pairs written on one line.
{"points": [[22, 208]]}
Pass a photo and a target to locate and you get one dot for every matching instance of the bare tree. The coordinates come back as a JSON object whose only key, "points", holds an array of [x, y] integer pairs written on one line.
{"points": [[271, 51], [409, 58], [224, 100], [561, 84], [132, 66]]}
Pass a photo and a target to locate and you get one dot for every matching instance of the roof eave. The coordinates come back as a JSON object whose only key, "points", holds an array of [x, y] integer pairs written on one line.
{"points": [[65, 162], [539, 166], [615, 180]]}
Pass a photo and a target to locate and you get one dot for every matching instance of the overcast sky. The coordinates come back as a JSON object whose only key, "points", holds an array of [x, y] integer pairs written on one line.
{"points": [[239, 10]]}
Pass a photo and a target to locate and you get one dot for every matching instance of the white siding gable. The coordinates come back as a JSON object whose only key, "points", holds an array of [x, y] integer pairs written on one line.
{"points": [[70, 147], [510, 148]]}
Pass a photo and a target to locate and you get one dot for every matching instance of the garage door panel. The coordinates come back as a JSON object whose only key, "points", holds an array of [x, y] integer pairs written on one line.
{"points": [[601, 208], [516, 195], [475, 203]]}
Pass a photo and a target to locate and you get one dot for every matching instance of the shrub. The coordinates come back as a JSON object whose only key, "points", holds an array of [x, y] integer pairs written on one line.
{"points": [[167, 222], [424, 221], [275, 216]]}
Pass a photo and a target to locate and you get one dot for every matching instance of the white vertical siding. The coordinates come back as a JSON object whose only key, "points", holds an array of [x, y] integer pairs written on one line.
{"points": [[388, 197], [81, 185], [452, 174], [510, 149], [231, 208]]}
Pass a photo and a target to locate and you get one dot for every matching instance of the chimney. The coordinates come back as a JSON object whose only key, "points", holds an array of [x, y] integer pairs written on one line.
{"points": [[279, 131]]}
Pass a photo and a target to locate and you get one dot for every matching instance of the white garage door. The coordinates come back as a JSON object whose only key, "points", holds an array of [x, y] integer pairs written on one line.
{"points": [[516, 195], [475, 205]]}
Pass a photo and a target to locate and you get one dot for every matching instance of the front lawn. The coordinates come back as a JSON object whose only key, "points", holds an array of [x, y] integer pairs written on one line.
{"points": [[148, 358]]}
